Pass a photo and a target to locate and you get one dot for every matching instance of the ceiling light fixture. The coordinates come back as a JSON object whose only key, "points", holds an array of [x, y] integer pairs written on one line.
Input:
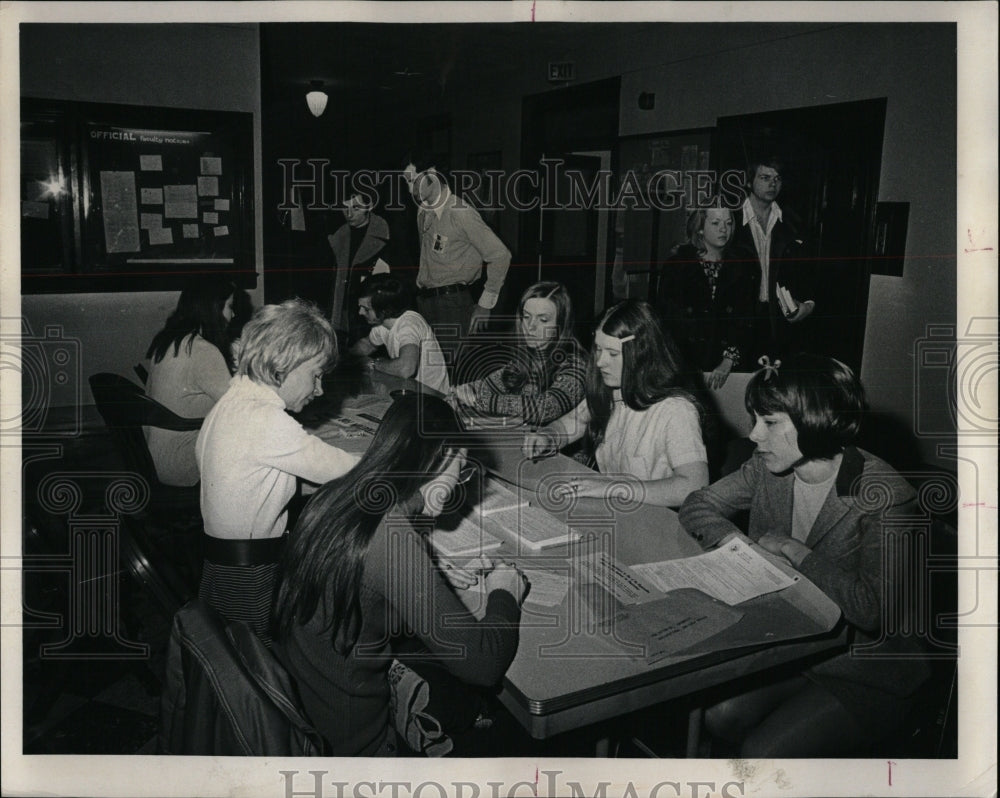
{"points": [[316, 98]]}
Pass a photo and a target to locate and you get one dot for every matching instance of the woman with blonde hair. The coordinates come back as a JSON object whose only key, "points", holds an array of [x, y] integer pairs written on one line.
{"points": [[252, 454]]}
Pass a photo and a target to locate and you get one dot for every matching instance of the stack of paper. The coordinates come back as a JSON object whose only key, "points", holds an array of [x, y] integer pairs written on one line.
{"points": [[504, 511], [467, 539]]}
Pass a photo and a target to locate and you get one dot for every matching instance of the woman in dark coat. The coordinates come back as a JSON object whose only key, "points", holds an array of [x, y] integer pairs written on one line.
{"points": [[705, 300]]}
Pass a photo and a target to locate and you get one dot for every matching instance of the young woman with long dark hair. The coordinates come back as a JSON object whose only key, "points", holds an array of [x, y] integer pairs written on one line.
{"points": [[356, 572], [640, 413], [190, 370]]}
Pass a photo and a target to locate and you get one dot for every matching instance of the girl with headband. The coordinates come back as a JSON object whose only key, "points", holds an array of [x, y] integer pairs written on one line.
{"points": [[819, 502], [545, 379], [639, 412]]}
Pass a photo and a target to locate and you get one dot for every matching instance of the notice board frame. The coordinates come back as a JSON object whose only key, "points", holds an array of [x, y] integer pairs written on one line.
{"points": [[101, 143]]}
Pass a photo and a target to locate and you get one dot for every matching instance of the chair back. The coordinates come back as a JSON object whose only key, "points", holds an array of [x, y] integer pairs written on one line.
{"points": [[124, 407]]}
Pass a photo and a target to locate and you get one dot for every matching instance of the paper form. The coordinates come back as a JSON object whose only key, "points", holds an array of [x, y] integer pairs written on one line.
{"points": [[150, 163], [222, 205], [150, 221], [210, 217], [151, 196], [548, 588], [466, 538], [190, 230], [673, 623], [617, 579], [732, 573]]}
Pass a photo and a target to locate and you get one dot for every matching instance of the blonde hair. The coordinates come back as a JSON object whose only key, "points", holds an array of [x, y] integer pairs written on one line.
{"points": [[279, 338]]}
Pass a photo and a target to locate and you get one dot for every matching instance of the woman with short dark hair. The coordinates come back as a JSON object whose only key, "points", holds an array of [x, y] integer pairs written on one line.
{"points": [[819, 502]]}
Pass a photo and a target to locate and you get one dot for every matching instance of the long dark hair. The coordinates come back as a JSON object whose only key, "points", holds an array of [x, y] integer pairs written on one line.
{"points": [[652, 366], [515, 374], [198, 312], [324, 558]]}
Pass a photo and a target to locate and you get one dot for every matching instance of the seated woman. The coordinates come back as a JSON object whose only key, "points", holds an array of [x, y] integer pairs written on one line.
{"points": [[707, 301], [642, 418], [190, 370], [413, 349], [251, 453], [357, 572], [807, 490], [546, 379]]}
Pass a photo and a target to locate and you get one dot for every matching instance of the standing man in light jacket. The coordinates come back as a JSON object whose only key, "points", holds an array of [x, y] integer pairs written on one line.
{"points": [[455, 245]]}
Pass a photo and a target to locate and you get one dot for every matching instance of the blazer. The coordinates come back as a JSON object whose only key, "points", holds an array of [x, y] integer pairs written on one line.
{"points": [[788, 264], [349, 273], [870, 503]]}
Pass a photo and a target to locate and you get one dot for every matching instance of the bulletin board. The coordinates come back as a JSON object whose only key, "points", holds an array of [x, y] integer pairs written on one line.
{"points": [[157, 194]]}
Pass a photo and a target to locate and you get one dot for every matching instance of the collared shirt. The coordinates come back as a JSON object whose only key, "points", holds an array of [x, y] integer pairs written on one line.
{"points": [[455, 242], [762, 240], [250, 452]]}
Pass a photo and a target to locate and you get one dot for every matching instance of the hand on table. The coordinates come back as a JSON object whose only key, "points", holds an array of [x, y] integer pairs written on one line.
{"points": [[584, 486], [537, 445], [468, 575], [793, 550], [464, 394], [507, 576]]}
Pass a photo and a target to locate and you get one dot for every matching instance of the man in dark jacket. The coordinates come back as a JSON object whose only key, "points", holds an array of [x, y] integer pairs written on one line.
{"points": [[767, 239]]}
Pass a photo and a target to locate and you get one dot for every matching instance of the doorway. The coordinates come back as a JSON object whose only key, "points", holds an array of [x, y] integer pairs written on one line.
{"points": [[567, 137], [832, 157]]}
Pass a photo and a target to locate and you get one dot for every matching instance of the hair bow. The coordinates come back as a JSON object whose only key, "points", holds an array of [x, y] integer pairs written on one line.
{"points": [[767, 367]]}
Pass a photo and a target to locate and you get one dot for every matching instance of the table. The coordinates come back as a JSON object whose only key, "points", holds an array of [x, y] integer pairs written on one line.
{"points": [[569, 671]]}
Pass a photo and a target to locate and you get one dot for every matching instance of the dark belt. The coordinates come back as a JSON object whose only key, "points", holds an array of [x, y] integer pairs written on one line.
{"points": [[242, 553], [454, 288]]}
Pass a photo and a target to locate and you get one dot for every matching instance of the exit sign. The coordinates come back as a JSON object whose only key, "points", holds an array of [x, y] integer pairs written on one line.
{"points": [[560, 71]]}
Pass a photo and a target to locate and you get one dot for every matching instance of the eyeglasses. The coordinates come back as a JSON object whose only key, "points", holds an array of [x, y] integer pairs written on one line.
{"points": [[466, 474]]}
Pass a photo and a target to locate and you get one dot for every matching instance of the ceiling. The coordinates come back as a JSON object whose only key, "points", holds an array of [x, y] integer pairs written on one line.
{"points": [[407, 58]]}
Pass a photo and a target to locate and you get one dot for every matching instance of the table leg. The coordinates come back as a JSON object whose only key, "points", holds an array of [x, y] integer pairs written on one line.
{"points": [[694, 732], [602, 747]]}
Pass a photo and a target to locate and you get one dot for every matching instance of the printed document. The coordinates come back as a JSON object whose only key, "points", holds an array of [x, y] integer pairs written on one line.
{"points": [[732, 573]]}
